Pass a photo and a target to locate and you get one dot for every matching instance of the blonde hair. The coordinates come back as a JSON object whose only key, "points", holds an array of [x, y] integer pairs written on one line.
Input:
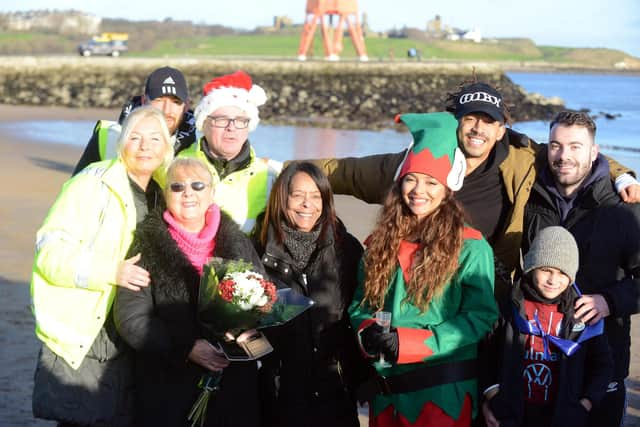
{"points": [[141, 113]]}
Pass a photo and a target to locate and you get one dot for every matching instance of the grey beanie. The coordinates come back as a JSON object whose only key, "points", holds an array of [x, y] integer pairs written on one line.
{"points": [[553, 247]]}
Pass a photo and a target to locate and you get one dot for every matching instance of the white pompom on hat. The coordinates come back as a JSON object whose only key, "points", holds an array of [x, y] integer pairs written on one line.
{"points": [[231, 90]]}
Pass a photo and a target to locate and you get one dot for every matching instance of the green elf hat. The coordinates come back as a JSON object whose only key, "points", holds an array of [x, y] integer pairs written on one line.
{"points": [[434, 150]]}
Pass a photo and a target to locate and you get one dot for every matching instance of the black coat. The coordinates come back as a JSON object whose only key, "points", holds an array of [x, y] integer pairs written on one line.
{"points": [[316, 359], [159, 322], [586, 373], [607, 231]]}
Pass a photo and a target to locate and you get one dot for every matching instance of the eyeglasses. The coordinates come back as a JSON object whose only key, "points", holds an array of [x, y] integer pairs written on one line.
{"points": [[179, 187], [223, 122]]}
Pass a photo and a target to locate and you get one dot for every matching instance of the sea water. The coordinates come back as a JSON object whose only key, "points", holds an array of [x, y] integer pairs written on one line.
{"points": [[602, 94], [616, 95]]}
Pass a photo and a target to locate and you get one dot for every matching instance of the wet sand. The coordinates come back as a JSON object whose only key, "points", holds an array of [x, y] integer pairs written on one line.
{"points": [[31, 174]]}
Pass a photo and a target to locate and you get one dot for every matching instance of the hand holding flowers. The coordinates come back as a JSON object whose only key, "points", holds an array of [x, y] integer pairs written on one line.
{"points": [[233, 301], [208, 356]]}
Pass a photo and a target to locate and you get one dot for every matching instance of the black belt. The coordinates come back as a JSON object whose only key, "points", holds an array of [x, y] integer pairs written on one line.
{"points": [[418, 379]]}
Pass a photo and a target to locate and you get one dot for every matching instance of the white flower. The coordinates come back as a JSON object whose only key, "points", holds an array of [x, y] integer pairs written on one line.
{"points": [[248, 291]]}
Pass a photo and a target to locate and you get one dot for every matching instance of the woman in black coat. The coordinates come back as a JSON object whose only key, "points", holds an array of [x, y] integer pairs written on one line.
{"points": [[159, 321], [310, 377]]}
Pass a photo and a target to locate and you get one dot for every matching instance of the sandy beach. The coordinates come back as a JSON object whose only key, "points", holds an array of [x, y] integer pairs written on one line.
{"points": [[31, 174]]}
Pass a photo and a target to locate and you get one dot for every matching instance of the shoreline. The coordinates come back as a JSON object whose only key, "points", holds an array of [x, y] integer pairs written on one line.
{"points": [[291, 62], [24, 113], [571, 70], [345, 95]]}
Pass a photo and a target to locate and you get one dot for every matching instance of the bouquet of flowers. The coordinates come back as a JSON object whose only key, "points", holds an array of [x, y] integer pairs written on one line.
{"points": [[232, 299]]}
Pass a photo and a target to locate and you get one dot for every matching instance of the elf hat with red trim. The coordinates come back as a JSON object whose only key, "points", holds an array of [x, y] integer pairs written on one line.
{"points": [[231, 90], [434, 150]]}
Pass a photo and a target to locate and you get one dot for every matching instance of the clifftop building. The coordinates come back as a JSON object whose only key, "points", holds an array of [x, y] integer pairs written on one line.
{"points": [[63, 22]]}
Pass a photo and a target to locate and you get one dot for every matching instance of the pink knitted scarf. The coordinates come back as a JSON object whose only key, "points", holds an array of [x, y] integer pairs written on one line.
{"points": [[197, 246]]}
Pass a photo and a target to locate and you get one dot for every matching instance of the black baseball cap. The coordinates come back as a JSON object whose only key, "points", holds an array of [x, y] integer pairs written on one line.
{"points": [[480, 98], [166, 81]]}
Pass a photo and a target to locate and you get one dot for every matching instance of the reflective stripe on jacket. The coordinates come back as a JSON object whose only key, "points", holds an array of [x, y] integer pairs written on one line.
{"points": [[86, 233], [242, 194], [108, 134]]}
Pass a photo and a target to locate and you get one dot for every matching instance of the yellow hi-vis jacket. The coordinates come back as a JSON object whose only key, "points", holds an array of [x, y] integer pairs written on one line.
{"points": [[242, 194], [108, 134], [85, 235]]}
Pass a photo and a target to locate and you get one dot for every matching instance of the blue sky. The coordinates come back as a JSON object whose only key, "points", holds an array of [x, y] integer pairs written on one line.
{"points": [[580, 23]]}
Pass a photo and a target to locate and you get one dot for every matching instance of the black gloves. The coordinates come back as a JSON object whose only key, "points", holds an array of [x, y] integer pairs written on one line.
{"points": [[375, 341]]}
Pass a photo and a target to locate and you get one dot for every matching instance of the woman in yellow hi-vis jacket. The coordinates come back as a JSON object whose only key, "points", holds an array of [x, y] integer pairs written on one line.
{"points": [[83, 374]]}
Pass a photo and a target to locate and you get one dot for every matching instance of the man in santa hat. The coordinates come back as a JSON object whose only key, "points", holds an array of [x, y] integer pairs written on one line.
{"points": [[226, 114]]}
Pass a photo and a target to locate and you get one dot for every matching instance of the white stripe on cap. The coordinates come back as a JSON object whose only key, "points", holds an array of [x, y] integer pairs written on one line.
{"points": [[168, 90]]}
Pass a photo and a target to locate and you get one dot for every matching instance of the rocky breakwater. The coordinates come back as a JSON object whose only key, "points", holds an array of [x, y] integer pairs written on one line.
{"points": [[339, 95]]}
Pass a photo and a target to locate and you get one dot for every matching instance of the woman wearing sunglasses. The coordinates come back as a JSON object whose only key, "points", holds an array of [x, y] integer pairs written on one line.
{"points": [[83, 374], [159, 321]]}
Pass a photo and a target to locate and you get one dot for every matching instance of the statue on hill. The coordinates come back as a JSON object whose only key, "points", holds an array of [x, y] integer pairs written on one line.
{"points": [[347, 11]]}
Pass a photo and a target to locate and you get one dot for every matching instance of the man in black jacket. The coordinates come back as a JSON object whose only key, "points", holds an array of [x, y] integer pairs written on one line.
{"points": [[573, 190], [165, 89]]}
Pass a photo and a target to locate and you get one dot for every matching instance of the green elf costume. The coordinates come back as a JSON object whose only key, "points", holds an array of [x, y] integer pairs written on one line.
{"points": [[433, 379]]}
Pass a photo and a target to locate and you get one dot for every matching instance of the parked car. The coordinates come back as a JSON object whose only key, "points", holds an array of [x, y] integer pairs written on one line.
{"points": [[111, 44]]}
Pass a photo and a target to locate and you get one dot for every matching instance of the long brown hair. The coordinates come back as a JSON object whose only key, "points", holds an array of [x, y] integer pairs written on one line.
{"points": [[436, 262], [276, 212]]}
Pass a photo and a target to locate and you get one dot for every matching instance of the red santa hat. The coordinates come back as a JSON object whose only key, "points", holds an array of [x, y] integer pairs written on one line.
{"points": [[231, 90]]}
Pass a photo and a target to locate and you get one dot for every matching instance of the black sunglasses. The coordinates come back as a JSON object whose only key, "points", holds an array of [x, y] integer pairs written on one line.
{"points": [[179, 187]]}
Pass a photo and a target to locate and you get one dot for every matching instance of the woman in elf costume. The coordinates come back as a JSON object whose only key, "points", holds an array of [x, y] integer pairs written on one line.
{"points": [[435, 275]]}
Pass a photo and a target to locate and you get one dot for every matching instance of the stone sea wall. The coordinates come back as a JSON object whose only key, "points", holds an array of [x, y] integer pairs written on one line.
{"points": [[339, 95]]}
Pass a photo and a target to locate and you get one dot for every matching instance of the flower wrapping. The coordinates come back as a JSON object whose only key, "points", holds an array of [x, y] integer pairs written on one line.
{"points": [[232, 298]]}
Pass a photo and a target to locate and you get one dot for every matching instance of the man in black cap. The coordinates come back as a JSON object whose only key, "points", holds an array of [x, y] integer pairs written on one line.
{"points": [[499, 176], [166, 89]]}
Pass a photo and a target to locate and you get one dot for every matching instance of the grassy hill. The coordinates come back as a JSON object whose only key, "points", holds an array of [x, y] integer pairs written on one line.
{"points": [[32, 43], [384, 49], [180, 39]]}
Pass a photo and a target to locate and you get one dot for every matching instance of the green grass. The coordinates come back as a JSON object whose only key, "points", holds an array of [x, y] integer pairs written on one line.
{"points": [[287, 46], [16, 43], [226, 45], [554, 53], [9, 37]]}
